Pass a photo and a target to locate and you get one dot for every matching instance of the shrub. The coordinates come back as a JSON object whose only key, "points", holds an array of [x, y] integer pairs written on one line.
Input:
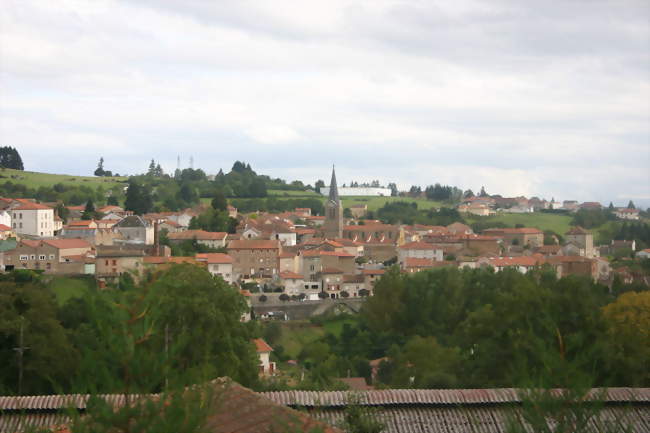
{"points": [[345, 294], [323, 295], [284, 297], [262, 298]]}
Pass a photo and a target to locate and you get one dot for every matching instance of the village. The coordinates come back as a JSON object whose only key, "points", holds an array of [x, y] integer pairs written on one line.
{"points": [[296, 256]]}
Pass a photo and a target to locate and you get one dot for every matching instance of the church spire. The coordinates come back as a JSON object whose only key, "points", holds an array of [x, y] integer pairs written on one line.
{"points": [[334, 190]]}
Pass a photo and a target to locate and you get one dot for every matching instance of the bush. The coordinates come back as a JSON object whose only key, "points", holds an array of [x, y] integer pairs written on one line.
{"points": [[262, 298], [284, 297], [364, 292], [345, 294], [323, 295]]}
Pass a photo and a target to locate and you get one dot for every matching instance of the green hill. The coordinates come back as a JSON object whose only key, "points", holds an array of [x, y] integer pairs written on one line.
{"points": [[34, 179]]}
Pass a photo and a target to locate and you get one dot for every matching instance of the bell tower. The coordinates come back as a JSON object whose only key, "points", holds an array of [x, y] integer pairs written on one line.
{"points": [[333, 226]]}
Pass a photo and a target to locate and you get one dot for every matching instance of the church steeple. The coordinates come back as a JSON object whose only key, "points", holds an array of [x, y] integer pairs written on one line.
{"points": [[334, 190], [333, 225]]}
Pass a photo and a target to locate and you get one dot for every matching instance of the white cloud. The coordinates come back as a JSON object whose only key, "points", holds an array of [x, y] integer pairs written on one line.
{"points": [[524, 98]]}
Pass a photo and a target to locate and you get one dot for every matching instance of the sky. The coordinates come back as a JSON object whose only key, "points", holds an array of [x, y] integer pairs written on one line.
{"points": [[548, 99]]}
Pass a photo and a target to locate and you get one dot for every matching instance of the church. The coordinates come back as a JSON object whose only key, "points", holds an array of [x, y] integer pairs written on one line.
{"points": [[333, 226]]}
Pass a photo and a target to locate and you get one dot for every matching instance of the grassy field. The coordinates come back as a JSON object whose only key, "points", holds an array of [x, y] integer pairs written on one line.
{"points": [[298, 333], [544, 221], [68, 287], [375, 203], [35, 180], [293, 194]]}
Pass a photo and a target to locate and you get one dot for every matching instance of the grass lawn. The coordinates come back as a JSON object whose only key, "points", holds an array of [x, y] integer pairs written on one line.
{"points": [[293, 194], [335, 327], [560, 224], [296, 334], [375, 203], [34, 180], [68, 287]]}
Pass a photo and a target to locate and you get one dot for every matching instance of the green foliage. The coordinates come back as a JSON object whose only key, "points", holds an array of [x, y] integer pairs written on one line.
{"points": [[360, 419], [138, 198], [214, 220], [10, 158], [591, 218], [408, 213], [274, 204]]}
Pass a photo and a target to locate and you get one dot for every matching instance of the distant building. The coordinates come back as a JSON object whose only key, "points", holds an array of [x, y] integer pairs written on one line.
{"points": [[627, 214], [333, 225], [359, 191], [33, 219]]}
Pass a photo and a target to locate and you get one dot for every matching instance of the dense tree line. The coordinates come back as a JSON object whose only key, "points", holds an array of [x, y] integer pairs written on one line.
{"points": [[408, 213], [182, 323], [273, 204], [69, 194], [10, 158], [477, 328], [592, 218]]}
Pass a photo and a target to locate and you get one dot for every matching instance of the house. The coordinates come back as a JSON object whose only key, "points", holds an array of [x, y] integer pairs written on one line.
{"points": [[419, 250], [292, 282], [254, 257], [135, 230], [591, 205], [33, 219], [209, 239], [303, 212], [218, 264], [479, 209], [627, 214], [53, 256], [6, 232], [113, 261], [232, 211], [574, 265], [518, 236], [267, 368], [570, 205], [5, 217], [583, 239], [352, 285], [314, 261], [459, 229], [235, 410], [480, 244], [370, 277], [522, 264], [644, 254]]}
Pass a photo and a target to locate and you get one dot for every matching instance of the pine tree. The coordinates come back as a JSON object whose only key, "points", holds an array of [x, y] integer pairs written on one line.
{"points": [[152, 168], [10, 158], [89, 211], [100, 167], [630, 205]]}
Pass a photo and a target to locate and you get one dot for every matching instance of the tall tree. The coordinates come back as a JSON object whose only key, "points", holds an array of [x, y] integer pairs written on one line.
{"points": [[630, 205], [89, 211], [100, 167], [10, 158], [138, 198]]}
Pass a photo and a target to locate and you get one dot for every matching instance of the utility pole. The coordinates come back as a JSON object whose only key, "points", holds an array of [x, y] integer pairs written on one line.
{"points": [[21, 350]]}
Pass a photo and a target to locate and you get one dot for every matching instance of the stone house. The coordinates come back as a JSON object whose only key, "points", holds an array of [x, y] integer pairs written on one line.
{"points": [[583, 239], [135, 230], [292, 282], [113, 261], [218, 264], [209, 239], [518, 236], [254, 258], [420, 250], [53, 256]]}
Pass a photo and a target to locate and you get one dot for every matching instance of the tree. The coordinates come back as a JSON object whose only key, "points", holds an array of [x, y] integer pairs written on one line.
{"points": [[100, 167], [138, 198], [152, 168], [468, 194], [628, 328], [483, 193], [89, 212], [284, 297], [10, 158], [28, 308], [393, 189], [630, 205], [219, 201], [347, 213]]}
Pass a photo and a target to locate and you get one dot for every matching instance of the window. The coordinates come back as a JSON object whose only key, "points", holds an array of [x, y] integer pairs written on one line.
{"points": [[20, 225], [52, 256], [21, 215], [114, 262], [23, 257], [14, 225], [41, 257], [32, 257], [311, 267], [106, 262]]}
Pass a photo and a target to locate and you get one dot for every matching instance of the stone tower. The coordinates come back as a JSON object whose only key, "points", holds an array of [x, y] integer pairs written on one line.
{"points": [[333, 226]]}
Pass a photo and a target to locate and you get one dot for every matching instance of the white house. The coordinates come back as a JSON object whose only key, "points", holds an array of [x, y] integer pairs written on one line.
{"points": [[33, 219], [5, 217], [218, 264], [627, 213], [644, 254], [418, 250], [267, 367]]}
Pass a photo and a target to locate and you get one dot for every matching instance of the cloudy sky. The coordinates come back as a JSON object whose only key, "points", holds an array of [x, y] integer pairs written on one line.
{"points": [[540, 98]]}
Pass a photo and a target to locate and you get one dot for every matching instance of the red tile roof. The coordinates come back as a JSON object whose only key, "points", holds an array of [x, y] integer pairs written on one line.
{"points": [[32, 206], [414, 262], [67, 243], [288, 275], [373, 272], [262, 346], [215, 258], [253, 244], [4, 228], [331, 271], [201, 235]]}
